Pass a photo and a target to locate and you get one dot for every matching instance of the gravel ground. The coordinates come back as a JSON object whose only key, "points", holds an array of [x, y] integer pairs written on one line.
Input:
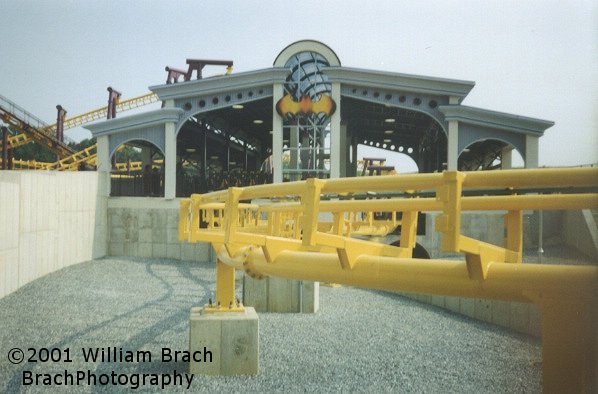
{"points": [[359, 341]]}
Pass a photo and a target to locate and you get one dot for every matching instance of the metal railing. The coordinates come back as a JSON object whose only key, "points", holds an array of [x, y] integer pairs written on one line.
{"points": [[285, 235]]}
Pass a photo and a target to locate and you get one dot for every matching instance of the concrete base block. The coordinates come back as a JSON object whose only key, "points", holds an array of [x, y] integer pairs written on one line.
{"points": [[228, 342], [281, 295]]}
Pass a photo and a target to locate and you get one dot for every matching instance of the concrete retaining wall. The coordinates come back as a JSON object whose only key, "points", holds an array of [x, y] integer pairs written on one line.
{"points": [[521, 317], [48, 220], [148, 227], [581, 232]]}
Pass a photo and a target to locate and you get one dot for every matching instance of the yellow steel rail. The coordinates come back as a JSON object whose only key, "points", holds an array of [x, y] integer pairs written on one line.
{"points": [[87, 117], [298, 235], [21, 139], [28, 164], [72, 162], [101, 113]]}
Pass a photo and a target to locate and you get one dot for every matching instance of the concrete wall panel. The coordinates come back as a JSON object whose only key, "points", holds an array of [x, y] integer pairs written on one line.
{"points": [[148, 227], [49, 222]]}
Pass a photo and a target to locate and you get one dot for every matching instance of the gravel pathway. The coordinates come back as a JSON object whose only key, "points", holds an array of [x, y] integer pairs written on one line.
{"points": [[359, 341]]}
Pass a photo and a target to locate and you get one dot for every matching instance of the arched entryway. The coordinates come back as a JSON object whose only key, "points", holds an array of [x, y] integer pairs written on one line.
{"points": [[489, 154], [137, 169]]}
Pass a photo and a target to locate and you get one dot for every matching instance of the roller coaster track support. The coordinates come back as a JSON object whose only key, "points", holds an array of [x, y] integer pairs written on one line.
{"points": [[70, 122], [33, 127], [305, 233]]}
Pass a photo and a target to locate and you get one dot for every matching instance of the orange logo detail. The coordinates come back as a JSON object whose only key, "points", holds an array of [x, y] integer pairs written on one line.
{"points": [[286, 106]]}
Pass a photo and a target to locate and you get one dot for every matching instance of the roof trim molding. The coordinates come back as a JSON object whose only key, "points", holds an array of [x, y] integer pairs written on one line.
{"points": [[398, 81], [306, 46], [221, 83], [133, 122], [494, 119]]}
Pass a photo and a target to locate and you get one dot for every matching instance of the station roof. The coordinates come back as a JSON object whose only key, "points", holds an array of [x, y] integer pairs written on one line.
{"points": [[496, 120]]}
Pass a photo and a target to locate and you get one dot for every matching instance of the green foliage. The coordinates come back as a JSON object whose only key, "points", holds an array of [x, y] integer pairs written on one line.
{"points": [[86, 143], [33, 151], [128, 152]]}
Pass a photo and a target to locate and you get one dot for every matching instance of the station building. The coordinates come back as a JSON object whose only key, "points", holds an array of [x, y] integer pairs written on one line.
{"points": [[305, 116]]}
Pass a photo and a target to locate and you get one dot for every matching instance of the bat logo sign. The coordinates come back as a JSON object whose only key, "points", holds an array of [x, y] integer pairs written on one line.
{"points": [[286, 106]]}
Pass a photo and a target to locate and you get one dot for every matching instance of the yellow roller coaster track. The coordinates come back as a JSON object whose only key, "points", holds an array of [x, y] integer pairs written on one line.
{"points": [[72, 163], [50, 130], [308, 237], [101, 113]]}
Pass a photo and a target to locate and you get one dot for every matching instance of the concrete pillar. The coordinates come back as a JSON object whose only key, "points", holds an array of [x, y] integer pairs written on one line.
{"points": [[224, 343], [336, 147], [169, 161], [277, 93], [453, 145], [104, 165], [531, 151], [281, 295], [506, 162]]}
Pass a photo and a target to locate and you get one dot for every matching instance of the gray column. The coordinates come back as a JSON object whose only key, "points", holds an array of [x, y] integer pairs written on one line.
{"points": [[506, 161], [104, 165], [453, 145], [277, 93], [169, 161], [531, 151], [336, 147]]}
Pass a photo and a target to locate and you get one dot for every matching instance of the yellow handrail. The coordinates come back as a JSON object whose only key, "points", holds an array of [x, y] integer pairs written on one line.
{"points": [[301, 236]]}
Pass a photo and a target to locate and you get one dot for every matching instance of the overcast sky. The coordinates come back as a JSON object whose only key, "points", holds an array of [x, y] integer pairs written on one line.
{"points": [[532, 58]]}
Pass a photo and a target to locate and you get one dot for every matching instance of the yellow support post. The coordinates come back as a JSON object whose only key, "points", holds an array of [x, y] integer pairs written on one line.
{"points": [[449, 223], [225, 291], [184, 213], [408, 229], [514, 238], [310, 201], [569, 344], [231, 217]]}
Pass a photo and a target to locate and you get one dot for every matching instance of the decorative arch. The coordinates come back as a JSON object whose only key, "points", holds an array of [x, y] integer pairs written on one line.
{"points": [[307, 46], [427, 104], [153, 135], [204, 103], [483, 153], [507, 143], [469, 134]]}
